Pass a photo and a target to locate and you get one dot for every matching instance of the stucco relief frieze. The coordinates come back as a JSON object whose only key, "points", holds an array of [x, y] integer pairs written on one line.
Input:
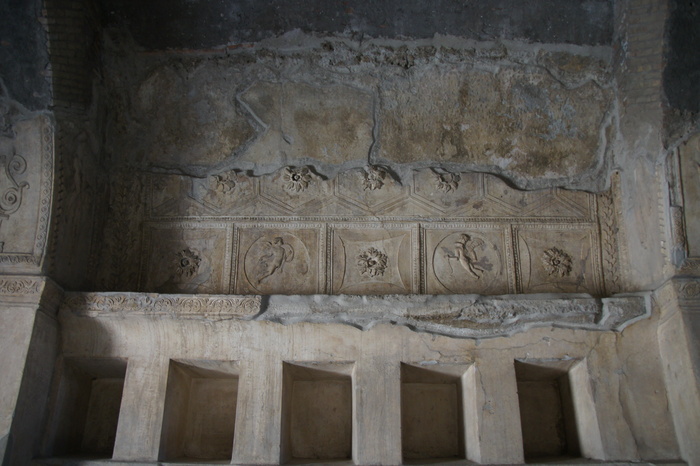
{"points": [[201, 306], [248, 234], [26, 189]]}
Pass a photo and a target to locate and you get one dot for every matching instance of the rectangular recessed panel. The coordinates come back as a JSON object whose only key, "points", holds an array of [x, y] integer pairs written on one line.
{"points": [[102, 416], [430, 420], [211, 418], [321, 422]]}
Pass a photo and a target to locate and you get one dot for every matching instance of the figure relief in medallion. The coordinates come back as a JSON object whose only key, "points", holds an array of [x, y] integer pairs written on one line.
{"points": [[464, 252], [277, 253]]}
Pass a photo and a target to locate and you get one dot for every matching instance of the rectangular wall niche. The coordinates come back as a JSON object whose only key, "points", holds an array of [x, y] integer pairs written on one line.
{"points": [[317, 407], [547, 414], [200, 410], [86, 404], [433, 403]]}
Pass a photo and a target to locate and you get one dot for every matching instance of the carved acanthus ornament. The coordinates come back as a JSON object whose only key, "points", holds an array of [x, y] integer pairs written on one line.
{"points": [[115, 304]]}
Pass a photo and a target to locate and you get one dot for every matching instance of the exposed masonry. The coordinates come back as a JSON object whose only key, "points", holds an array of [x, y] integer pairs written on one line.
{"points": [[245, 108]]}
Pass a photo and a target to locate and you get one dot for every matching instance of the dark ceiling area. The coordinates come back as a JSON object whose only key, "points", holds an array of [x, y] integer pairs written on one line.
{"points": [[196, 24]]}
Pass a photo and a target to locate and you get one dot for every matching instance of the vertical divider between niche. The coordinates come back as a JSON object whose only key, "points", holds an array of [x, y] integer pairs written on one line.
{"points": [[328, 253], [235, 250]]}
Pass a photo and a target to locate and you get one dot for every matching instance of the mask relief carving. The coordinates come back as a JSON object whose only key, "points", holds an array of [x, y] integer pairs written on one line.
{"points": [[372, 262], [556, 262], [447, 182], [373, 178], [187, 263]]}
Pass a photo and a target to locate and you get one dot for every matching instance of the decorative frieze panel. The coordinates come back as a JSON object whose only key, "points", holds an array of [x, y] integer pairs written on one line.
{"points": [[469, 258], [26, 188], [186, 258], [557, 259], [372, 190], [366, 231], [374, 259], [276, 259]]}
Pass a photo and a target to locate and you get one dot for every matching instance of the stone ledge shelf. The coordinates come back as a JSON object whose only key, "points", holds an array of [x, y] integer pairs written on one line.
{"points": [[462, 316]]}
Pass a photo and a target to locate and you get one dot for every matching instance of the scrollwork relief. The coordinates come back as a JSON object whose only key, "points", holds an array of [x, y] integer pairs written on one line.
{"points": [[19, 286], [11, 197], [116, 304]]}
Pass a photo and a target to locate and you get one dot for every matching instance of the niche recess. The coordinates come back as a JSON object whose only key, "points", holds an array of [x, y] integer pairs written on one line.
{"points": [[436, 411], [86, 403], [557, 413], [200, 411], [317, 407]]}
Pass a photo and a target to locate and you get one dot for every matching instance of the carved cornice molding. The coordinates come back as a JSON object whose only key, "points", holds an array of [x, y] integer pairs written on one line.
{"points": [[462, 316], [678, 294], [30, 291], [177, 306]]}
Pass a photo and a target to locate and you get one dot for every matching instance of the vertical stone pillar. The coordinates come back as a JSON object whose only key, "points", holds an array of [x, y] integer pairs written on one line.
{"points": [[28, 344], [377, 398], [501, 439], [679, 345], [257, 439], [142, 407]]}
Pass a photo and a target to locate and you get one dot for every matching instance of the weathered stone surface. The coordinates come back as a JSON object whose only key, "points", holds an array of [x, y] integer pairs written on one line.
{"points": [[160, 24], [465, 316], [328, 124], [507, 119], [187, 116]]}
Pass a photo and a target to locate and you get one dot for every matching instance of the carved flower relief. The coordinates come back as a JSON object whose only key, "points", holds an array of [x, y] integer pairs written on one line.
{"points": [[447, 182], [296, 179], [187, 263], [557, 262], [373, 178], [372, 262], [225, 182]]}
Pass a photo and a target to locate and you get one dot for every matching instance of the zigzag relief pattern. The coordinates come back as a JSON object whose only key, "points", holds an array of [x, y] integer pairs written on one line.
{"points": [[373, 190], [364, 232]]}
